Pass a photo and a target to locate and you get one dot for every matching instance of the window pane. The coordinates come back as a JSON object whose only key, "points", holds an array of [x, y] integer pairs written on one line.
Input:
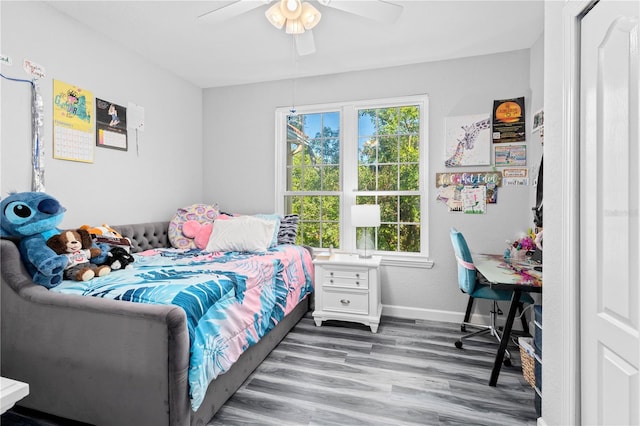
{"points": [[367, 178], [409, 148], [331, 123], [409, 177], [409, 122], [330, 235], [311, 179], [366, 122], [388, 178], [387, 237], [410, 209], [388, 208], [367, 148], [410, 238], [312, 124], [330, 208], [315, 150], [310, 233], [388, 150], [294, 178], [331, 151], [331, 178]]}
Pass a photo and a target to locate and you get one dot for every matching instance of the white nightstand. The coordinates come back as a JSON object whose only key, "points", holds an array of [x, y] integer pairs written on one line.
{"points": [[347, 288], [11, 391]]}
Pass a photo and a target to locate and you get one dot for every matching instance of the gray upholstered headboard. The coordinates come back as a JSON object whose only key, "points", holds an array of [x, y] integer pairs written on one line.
{"points": [[145, 236]]}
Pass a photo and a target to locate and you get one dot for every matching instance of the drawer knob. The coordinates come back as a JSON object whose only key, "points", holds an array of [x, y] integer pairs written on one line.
{"points": [[357, 275], [331, 281], [331, 273], [345, 301], [357, 282]]}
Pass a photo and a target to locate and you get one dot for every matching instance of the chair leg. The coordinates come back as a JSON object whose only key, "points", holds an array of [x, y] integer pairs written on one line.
{"points": [[467, 314], [491, 329], [523, 318]]}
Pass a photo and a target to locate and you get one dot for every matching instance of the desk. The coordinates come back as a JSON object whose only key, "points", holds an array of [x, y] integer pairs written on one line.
{"points": [[517, 276]]}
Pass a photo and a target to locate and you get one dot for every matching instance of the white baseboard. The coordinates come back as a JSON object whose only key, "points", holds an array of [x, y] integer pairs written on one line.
{"points": [[445, 316], [541, 422]]}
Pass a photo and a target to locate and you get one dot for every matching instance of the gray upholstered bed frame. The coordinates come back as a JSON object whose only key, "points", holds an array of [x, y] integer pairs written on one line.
{"points": [[108, 362]]}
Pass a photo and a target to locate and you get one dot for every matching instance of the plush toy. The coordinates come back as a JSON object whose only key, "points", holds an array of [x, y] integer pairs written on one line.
{"points": [[119, 258], [77, 246], [200, 232], [106, 237], [102, 231], [32, 217]]}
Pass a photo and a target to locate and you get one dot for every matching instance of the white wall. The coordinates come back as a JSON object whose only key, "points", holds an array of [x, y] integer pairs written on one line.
{"points": [[119, 187], [239, 128]]}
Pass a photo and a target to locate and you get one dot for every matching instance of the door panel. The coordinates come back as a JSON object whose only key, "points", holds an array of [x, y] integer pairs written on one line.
{"points": [[609, 225]]}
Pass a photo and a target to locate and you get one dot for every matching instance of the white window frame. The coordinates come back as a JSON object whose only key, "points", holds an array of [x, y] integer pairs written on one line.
{"points": [[349, 156]]}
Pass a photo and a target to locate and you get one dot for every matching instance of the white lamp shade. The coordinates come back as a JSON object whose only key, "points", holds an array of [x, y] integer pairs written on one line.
{"points": [[365, 215]]}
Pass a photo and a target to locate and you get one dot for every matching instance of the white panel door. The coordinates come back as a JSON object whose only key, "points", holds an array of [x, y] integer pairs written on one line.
{"points": [[609, 225]]}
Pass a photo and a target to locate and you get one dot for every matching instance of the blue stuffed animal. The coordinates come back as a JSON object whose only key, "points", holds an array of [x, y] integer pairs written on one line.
{"points": [[33, 217]]}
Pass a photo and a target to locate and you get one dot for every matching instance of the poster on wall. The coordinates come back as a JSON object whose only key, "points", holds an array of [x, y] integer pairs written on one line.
{"points": [[468, 140], [73, 137], [510, 155], [509, 120], [111, 125]]}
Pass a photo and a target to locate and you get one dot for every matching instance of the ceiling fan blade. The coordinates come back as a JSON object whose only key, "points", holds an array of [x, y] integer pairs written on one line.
{"points": [[305, 44], [378, 10], [231, 10]]}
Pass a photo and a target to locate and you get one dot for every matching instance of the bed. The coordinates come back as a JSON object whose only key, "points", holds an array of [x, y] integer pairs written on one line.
{"points": [[106, 352]]}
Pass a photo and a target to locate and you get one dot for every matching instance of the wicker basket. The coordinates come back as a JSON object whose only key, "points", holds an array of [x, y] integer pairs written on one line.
{"points": [[527, 358]]}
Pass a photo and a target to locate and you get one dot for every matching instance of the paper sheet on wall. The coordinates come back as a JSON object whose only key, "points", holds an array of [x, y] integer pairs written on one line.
{"points": [[474, 199], [136, 121]]}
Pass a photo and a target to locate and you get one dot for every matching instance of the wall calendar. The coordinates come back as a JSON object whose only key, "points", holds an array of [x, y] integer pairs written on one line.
{"points": [[73, 137]]}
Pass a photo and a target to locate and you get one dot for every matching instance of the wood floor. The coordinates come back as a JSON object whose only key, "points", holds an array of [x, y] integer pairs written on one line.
{"points": [[409, 373]]}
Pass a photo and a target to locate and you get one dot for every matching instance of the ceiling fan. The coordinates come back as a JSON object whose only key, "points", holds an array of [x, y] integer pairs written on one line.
{"points": [[298, 17]]}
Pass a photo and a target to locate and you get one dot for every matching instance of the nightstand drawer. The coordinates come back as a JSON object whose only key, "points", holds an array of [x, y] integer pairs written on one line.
{"points": [[346, 278], [340, 301]]}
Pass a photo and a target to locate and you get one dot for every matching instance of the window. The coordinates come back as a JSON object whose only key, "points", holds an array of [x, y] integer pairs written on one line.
{"points": [[330, 157]]}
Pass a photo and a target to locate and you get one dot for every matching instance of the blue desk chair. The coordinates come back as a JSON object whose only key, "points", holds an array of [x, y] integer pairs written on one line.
{"points": [[475, 285]]}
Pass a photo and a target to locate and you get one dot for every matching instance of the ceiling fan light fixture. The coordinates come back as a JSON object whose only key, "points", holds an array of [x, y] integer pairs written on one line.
{"points": [[310, 16], [291, 9], [274, 16], [294, 26]]}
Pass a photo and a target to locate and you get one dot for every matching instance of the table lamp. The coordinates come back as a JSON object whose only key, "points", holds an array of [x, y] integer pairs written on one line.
{"points": [[365, 216]]}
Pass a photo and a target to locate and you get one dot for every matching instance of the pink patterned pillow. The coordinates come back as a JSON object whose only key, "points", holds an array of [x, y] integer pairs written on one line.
{"points": [[201, 213]]}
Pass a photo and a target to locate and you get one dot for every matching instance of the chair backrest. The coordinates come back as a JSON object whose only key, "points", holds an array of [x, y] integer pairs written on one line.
{"points": [[466, 270]]}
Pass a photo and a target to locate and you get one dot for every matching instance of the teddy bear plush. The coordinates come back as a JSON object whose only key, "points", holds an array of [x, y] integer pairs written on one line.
{"points": [[77, 246], [119, 258], [32, 218]]}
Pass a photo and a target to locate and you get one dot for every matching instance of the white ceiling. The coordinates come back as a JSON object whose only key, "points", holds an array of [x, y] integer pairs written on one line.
{"points": [[247, 49]]}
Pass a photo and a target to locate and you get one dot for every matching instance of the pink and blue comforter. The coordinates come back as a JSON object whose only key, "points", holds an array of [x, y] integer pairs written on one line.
{"points": [[231, 299]]}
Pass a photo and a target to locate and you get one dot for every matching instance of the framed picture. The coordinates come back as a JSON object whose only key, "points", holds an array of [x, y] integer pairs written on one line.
{"points": [[510, 155], [468, 140], [538, 120]]}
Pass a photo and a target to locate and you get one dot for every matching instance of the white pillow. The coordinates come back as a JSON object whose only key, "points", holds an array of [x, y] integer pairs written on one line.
{"points": [[242, 233]]}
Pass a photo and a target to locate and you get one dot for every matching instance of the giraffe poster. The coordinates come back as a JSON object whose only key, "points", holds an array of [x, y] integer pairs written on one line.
{"points": [[468, 140]]}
